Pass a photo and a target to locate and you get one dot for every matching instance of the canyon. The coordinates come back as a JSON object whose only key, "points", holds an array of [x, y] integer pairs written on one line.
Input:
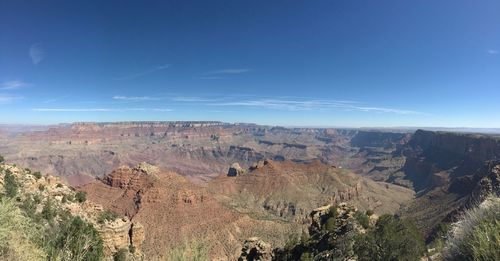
{"points": [[223, 183]]}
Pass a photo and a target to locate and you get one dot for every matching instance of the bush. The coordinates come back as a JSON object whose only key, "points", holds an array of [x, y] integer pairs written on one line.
{"points": [[369, 212], [37, 199], [49, 211], [81, 196], [37, 174], [306, 256], [74, 239], [477, 235], [41, 187], [29, 206], [362, 218], [18, 234], [2, 159], [121, 255], [331, 219], [106, 215], [10, 184], [391, 239], [59, 185], [331, 224], [69, 197]]}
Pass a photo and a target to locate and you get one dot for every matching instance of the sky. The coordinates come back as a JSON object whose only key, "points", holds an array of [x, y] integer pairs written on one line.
{"points": [[324, 63]]}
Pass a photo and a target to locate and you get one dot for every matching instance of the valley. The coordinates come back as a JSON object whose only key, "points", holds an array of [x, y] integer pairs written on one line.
{"points": [[220, 183]]}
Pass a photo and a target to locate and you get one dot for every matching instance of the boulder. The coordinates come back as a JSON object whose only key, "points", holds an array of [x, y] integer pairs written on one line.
{"points": [[235, 170]]}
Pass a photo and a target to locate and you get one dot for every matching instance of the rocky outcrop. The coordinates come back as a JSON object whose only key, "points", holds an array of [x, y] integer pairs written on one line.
{"points": [[488, 185], [235, 170], [121, 234], [331, 233], [255, 249], [169, 210]]}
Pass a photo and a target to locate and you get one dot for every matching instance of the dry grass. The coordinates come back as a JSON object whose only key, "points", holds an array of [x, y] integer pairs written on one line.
{"points": [[17, 234], [477, 235], [192, 251]]}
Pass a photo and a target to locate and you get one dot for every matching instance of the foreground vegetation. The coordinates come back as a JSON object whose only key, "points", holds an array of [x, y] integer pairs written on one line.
{"points": [[477, 235], [33, 227], [344, 233]]}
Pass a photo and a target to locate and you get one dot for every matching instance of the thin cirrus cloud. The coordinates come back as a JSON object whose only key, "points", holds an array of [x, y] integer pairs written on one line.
{"points": [[12, 85], [143, 73], [229, 71], [309, 105], [37, 53], [135, 98], [100, 109], [492, 51], [220, 74], [191, 99]]}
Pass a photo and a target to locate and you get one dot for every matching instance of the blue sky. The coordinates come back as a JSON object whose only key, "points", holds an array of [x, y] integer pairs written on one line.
{"points": [[311, 63]]}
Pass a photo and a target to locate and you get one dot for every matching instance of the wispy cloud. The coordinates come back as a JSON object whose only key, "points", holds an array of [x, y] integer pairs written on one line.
{"points": [[493, 51], [136, 98], [191, 99], [308, 105], [100, 109], [140, 74], [12, 85], [229, 71], [4, 98], [37, 53]]}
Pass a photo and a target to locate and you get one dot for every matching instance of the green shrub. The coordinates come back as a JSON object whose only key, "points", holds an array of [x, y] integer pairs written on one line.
{"points": [[477, 235], [18, 234], [362, 218], [369, 212], [2, 159], [49, 211], [64, 199], [74, 239], [331, 219], [37, 198], [438, 241], [106, 215], [29, 206], [59, 185], [37, 174], [391, 239], [81, 196], [41, 187], [306, 256], [121, 255], [10, 184], [28, 171], [331, 224], [70, 197]]}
